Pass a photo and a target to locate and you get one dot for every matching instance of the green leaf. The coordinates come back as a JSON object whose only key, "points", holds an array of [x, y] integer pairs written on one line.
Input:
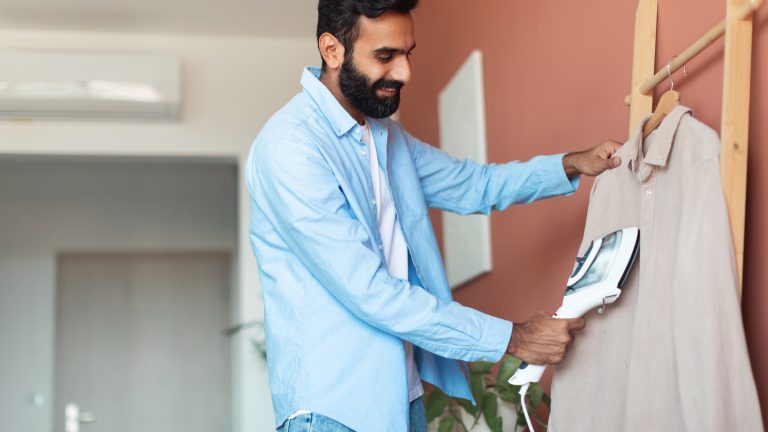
{"points": [[260, 347], [446, 425], [521, 416], [242, 326], [509, 395], [435, 404], [490, 407], [495, 424], [477, 382], [467, 405], [506, 370], [535, 394], [483, 367]]}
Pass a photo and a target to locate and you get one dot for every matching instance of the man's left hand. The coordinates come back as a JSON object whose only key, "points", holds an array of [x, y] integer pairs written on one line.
{"points": [[592, 162]]}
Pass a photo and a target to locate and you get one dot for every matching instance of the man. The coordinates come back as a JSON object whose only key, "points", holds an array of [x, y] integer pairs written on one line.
{"points": [[357, 307]]}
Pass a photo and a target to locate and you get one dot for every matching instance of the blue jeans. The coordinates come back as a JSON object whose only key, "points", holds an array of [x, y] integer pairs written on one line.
{"points": [[417, 421]]}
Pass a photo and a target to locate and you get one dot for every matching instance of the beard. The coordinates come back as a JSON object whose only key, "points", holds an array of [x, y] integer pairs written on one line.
{"points": [[361, 93]]}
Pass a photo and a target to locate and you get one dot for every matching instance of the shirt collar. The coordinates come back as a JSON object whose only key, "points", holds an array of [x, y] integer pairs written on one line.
{"points": [[658, 153], [661, 145], [339, 118]]}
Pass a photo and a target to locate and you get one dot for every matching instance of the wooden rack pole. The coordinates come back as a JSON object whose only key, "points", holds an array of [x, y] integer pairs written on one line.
{"points": [[741, 12], [643, 59], [734, 129]]}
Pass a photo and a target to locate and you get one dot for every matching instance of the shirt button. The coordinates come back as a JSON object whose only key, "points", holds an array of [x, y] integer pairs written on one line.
{"points": [[373, 201], [381, 247], [649, 192], [362, 153]]}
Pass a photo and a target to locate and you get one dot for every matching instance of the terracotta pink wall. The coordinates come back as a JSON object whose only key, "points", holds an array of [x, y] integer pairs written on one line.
{"points": [[556, 74]]}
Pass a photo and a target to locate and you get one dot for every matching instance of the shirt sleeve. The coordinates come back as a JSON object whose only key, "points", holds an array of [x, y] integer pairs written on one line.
{"points": [[310, 212], [466, 187]]}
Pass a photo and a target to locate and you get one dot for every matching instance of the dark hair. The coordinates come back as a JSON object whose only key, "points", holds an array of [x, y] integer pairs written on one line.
{"points": [[340, 17]]}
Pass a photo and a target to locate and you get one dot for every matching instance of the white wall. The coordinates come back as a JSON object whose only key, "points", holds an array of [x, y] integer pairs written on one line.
{"points": [[230, 88], [89, 206]]}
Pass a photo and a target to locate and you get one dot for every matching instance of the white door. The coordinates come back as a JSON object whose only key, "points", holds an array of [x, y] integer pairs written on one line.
{"points": [[140, 344]]}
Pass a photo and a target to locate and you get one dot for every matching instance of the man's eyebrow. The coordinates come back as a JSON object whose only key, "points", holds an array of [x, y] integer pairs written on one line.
{"points": [[388, 50]]}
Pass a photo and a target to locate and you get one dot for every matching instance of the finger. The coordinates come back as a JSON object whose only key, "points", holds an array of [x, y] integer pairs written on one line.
{"points": [[608, 149], [603, 151], [613, 145], [575, 324], [610, 163]]}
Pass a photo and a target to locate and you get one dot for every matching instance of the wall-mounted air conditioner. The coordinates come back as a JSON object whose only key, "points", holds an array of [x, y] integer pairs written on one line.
{"points": [[68, 84]]}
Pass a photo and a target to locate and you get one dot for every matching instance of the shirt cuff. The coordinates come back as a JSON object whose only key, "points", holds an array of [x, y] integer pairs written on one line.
{"points": [[495, 339], [553, 176]]}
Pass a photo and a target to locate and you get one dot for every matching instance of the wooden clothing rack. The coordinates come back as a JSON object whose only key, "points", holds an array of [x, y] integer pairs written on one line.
{"points": [[734, 131]]}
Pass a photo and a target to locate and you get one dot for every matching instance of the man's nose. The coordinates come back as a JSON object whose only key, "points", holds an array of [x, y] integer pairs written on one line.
{"points": [[402, 70]]}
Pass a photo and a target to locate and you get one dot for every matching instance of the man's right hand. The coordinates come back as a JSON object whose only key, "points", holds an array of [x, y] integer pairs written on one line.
{"points": [[542, 340]]}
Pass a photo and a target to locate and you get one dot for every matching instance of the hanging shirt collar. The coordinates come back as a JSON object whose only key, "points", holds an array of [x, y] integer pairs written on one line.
{"points": [[331, 109], [661, 145], [658, 153]]}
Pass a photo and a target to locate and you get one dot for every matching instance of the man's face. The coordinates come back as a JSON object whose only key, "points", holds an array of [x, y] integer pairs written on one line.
{"points": [[371, 78]]}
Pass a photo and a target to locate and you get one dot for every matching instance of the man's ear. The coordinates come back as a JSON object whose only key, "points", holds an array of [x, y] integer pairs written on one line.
{"points": [[331, 49]]}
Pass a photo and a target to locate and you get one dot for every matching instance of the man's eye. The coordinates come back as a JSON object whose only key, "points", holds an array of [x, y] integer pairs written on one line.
{"points": [[384, 57]]}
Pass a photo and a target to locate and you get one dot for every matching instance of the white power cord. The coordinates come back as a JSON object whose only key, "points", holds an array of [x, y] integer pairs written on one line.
{"points": [[523, 392]]}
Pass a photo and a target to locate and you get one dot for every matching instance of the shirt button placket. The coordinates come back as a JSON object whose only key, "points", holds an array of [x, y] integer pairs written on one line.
{"points": [[647, 208]]}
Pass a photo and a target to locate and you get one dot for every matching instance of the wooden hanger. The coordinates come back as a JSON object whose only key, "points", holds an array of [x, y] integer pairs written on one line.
{"points": [[667, 103]]}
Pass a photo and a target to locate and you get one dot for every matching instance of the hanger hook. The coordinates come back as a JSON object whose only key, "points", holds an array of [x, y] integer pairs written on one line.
{"points": [[669, 72], [685, 66]]}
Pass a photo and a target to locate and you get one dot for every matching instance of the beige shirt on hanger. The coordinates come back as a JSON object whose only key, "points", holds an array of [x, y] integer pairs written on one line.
{"points": [[670, 354]]}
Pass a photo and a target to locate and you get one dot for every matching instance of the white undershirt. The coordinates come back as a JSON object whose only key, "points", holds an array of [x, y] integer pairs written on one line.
{"points": [[394, 247], [395, 253]]}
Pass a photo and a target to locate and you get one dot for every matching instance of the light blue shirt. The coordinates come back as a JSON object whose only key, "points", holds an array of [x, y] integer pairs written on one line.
{"points": [[334, 317]]}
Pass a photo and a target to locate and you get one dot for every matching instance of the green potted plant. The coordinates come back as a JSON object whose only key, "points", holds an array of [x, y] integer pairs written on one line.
{"points": [[489, 391], [258, 343]]}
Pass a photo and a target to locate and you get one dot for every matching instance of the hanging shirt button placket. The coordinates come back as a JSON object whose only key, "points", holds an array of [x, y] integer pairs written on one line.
{"points": [[648, 202], [647, 211]]}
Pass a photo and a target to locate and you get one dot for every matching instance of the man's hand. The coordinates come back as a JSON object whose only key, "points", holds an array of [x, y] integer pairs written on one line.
{"points": [[592, 162], [542, 340]]}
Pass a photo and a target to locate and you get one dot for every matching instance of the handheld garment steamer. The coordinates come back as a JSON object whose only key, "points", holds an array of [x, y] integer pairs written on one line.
{"points": [[596, 281]]}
